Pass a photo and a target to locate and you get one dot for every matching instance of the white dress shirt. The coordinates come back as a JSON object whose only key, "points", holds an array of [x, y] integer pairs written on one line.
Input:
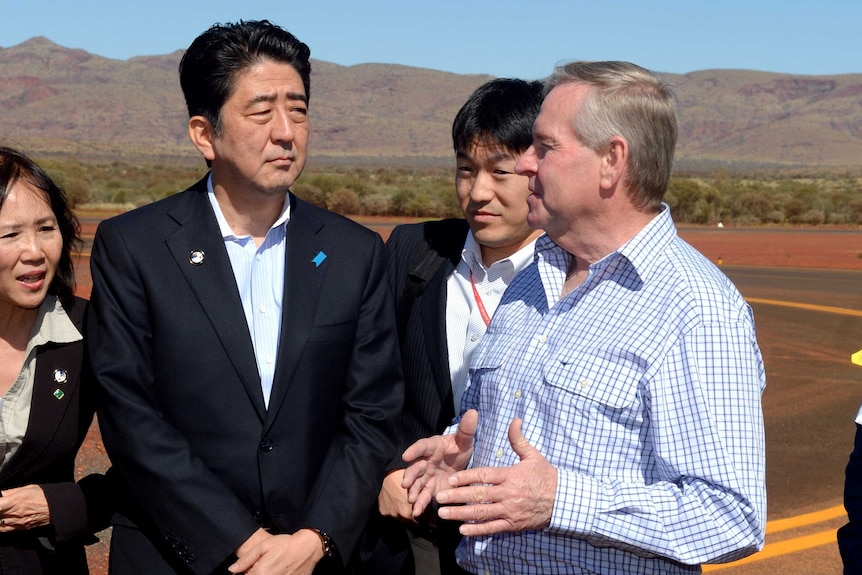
{"points": [[259, 274], [464, 324]]}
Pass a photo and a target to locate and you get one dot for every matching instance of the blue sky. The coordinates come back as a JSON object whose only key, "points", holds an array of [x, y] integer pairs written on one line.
{"points": [[497, 37]]}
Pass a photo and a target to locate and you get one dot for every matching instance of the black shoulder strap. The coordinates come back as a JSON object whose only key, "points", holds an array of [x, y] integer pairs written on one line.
{"points": [[427, 256]]}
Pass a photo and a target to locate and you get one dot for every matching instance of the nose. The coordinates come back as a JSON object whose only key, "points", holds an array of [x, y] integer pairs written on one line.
{"points": [[527, 163], [31, 248], [482, 189], [282, 129]]}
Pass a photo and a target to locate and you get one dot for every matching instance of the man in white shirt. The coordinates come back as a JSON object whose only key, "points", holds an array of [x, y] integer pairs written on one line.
{"points": [[448, 277]]}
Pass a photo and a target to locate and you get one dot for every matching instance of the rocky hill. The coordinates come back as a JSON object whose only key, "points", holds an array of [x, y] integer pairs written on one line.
{"points": [[61, 101]]}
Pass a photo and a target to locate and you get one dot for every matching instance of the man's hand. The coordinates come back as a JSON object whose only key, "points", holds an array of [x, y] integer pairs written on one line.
{"points": [[435, 459], [503, 499], [392, 500], [23, 508], [266, 554]]}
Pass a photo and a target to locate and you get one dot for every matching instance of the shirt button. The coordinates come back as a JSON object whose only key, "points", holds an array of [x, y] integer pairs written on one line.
{"points": [[474, 337], [262, 309], [257, 257], [517, 394], [499, 453], [543, 338], [585, 383], [269, 361]]}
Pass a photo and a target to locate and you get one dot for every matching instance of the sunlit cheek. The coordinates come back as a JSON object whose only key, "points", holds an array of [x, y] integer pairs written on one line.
{"points": [[463, 188], [54, 251]]}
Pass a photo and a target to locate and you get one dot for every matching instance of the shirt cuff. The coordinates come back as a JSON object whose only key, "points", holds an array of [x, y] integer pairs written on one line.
{"points": [[576, 504]]}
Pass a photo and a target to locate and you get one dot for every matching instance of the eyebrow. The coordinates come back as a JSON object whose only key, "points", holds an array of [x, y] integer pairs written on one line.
{"points": [[271, 97], [499, 156], [40, 221]]}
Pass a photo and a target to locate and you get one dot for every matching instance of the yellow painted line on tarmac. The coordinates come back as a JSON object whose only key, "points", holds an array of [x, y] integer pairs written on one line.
{"points": [[780, 525], [791, 545], [808, 306], [781, 548]]}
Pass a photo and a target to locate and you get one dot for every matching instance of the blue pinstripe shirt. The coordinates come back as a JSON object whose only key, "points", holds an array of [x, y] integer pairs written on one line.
{"points": [[259, 274], [642, 387]]}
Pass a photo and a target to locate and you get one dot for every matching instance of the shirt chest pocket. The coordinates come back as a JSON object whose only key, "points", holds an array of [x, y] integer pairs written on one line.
{"points": [[605, 377]]}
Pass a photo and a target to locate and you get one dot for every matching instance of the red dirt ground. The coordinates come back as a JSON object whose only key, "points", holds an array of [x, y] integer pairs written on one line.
{"points": [[807, 248]]}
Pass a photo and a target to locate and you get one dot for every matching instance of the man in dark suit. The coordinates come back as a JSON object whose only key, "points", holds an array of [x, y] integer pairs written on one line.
{"points": [[448, 277], [243, 340], [850, 535]]}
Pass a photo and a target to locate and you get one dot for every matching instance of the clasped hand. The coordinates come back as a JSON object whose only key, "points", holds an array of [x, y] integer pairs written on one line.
{"points": [[23, 508], [488, 499], [267, 554]]}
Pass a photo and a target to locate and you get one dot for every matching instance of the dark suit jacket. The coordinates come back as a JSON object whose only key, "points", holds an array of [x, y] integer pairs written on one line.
{"points": [[46, 457], [182, 413], [850, 535], [428, 400], [428, 407]]}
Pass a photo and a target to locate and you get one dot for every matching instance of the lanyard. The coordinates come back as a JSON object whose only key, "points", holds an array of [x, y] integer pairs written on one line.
{"points": [[482, 311]]}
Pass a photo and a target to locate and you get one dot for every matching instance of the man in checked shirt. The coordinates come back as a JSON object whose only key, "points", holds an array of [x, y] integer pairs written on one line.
{"points": [[616, 422]]}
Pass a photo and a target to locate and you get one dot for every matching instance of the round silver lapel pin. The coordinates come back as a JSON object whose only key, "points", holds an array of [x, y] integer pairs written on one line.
{"points": [[196, 258]]}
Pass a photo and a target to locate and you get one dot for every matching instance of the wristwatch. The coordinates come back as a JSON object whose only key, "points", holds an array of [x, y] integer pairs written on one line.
{"points": [[326, 541]]}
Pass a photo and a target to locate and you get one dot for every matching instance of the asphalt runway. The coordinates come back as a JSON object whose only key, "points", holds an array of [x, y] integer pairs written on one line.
{"points": [[809, 322]]}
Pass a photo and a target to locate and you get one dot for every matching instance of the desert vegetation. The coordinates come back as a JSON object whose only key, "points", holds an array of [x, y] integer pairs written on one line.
{"points": [[710, 197]]}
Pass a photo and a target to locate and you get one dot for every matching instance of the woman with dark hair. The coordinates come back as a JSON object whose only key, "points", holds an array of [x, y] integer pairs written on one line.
{"points": [[46, 399]]}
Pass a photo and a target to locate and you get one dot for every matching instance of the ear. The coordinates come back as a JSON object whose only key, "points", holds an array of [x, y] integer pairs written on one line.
{"points": [[614, 162], [202, 136]]}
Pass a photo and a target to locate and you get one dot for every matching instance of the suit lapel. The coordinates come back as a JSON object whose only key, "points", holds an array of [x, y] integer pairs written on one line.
{"points": [[58, 373], [214, 285], [433, 312], [305, 269], [446, 237]]}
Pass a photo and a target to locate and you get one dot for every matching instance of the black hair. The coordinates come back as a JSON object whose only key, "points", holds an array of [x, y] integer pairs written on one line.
{"points": [[17, 167], [499, 113], [209, 67]]}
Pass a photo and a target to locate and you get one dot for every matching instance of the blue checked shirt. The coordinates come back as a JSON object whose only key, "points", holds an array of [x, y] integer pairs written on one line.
{"points": [[642, 387]]}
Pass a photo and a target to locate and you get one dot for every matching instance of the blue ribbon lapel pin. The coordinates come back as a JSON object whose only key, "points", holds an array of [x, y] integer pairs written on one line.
{"points": [[318, 259]]}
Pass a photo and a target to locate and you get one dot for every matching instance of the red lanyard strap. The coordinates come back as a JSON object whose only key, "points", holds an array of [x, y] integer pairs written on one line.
{"points": [[482, 311]]}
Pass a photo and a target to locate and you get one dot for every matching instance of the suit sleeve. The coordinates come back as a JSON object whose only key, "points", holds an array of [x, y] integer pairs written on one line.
{"points": [[78, 509], [195, 513], [850, 535]]}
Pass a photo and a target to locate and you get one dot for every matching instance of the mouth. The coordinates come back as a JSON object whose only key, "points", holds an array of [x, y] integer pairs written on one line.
{"points": [[33, 281], [482, 216]]}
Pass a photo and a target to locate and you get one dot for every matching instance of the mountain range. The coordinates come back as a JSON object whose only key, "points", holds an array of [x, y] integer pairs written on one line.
{"points": [[57, 100]]}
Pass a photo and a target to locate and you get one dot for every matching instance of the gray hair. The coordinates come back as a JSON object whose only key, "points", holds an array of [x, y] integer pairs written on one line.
{"points": [[629, 101]]}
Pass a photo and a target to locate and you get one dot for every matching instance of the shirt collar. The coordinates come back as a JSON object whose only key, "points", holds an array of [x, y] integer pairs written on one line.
{"points": [[53, 325], [472, 256], [642, 252], [225, 229]]}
